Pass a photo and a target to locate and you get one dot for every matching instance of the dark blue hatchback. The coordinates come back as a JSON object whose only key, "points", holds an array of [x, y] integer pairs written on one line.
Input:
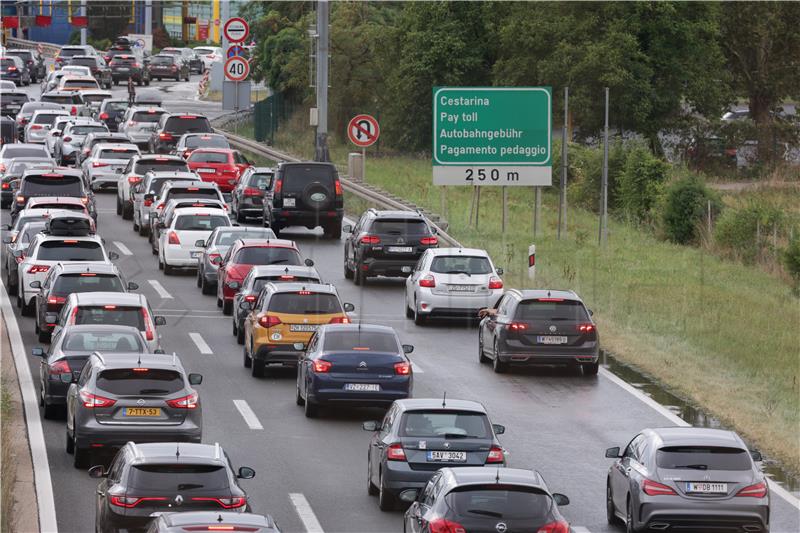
{"points": [[354, 364]]}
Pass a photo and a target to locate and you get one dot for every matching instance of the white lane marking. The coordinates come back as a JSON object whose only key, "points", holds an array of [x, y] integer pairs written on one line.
{"points": [[417, 369], [249, 416], [41, 466], [305, 513], [580, 529], [678, 421], [122, 248], [201, 344], [160, 289]]}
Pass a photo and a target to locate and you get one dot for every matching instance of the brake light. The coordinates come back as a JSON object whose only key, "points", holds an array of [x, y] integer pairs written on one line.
{"points": [[278, 186], [320, 366], [36, 126], [285, 277], [495, 455], [148, 325], [141, 369], [103, 116], [517, 326], [174, 67], [550, 300], [554, 527], [338, 187], [428, 281], [429, 241], [12, 69], [251, 191], [184, 402], [137, 65], [56, 300], [132, 501], [759, 490], [165, 136], [339, 320], [85, 200], [160, 206], [97, 164], [250, 298], [226, 503], [133, 180], [73, 112], [5, 186], [92, 400], [20, 200], [215, 258], [370, 239], [442, 525], [586, 328], [148, 202], [173, 238], [268, 321], [495, 283], [59, 367], [652, 488], [395, 452], [38, 269], [402, 368]]}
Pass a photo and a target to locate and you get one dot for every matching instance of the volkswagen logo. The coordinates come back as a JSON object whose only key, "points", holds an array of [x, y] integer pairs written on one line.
{"points": [[501, 527], [446, 444], [552, 330], [140, 401], [178, 499], [362, 364]]}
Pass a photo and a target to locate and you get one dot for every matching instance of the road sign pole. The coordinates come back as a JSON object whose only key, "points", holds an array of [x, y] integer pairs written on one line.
{"points": [[604, 195], [505, 209], [537, 209], [562, 204], [321, 151], [364, 165]]}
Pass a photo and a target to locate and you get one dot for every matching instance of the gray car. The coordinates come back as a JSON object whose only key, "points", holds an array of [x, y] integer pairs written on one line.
{"points": [[215, 248], [20, 241], [139, 122], [147, 190], [131, 397], [105, 163], [71, 140], [695, 479]]}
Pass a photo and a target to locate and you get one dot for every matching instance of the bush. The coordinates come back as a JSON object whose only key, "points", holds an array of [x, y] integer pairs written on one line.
{"points": [[586, 174], [641, 183], [791, 261], [685, 205], [737, 229]]}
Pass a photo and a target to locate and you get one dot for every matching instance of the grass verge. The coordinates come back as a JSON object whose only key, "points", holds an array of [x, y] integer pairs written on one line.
{"points": [[8, 467]]}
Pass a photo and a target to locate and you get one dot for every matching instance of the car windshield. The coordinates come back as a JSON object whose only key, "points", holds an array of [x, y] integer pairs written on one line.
{"points": [[297, 177], [259, 283], [12, 152], [206, 141], [106, 341], [51, 186], [260, 180], [117, 153], [454, 264], [226, 238], [194, 192], [117, 315], [304, 303], [140, 381], [187, 124], [79, 83], [147, 116], [62, 99], [178, 477], [45, 118], [551, 309], [200, 222], [86, 130], [266, 255], [87, 282], [441, 422], [208, 157], [161, 166], [13, 98], [703, 458], [70, 250], [500, 501], [367, 341]]}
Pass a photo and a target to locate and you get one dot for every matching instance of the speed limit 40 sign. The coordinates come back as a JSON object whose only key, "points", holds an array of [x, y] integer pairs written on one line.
{"points": [[237, 68]]}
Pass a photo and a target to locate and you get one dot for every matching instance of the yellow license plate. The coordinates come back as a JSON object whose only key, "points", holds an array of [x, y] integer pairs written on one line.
{"points": [[142, 411]]}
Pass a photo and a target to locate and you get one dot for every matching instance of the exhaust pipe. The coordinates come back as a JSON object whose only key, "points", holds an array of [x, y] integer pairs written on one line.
{"points": [[660, 526], [752, 527]]}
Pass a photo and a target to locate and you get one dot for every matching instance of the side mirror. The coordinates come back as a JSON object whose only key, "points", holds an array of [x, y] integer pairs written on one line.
{"points": [[97, 472], [309, 262], [35, 284], [113, 256], [612, 453], [756, 455], [245, 472], [407, 348], [348, 307], [245, 305], [200, 243], [298, 346], [159, 351], [560, 499], [51, 318], [347, 228], [37, 352], [7, 227], [68, 378], [160, 321], [56, 133], [499, 429], [132, 286], [408, 495], [6, 240], [195, 379], [591, 313], [217, 261], [499, 271], [234, 285], [371, 425], [18, 253]]}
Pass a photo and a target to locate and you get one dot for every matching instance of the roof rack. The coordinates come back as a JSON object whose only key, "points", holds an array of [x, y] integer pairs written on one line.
{"points": [[135, 449]]}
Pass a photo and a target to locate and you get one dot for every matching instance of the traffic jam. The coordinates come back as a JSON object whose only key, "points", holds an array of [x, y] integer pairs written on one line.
{"points": [[218, 345]]}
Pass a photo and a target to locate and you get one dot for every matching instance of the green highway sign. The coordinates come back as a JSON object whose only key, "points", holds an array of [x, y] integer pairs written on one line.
{"points": [[492, 136]]}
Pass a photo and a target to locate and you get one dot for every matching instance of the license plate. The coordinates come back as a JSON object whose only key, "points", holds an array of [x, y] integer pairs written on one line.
{"points": [[707, 488], [461, 288], [362, 387], [289, 202], [447, 457], [13, 107], [206, 170], [551, 339], [400, 249], [303, 327], [122, 70], [142, 411], [196, 254]]}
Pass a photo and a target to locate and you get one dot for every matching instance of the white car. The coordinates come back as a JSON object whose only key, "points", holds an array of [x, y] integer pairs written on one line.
{"points": [[6, 85], [177, 241], [452, 282], [135, 170], [55, 131], [145, 192], [106, 162], [139, 123], [40, 123], [54, 77], [209, 54]]}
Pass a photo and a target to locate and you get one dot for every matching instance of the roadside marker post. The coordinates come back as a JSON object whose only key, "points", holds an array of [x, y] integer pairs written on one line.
{"points": [[532, 261]]}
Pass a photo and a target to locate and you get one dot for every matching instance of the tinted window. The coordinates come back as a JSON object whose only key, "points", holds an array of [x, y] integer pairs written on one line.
{"points": [[29, 231], [42, 118], [157, 184], [197, 193], [24, 151], [62, 99], [27, 56], [178, 477], [399, 227], [6, 62], [147, 116], [162, 165], [79, 83], [186, 124], [126, 381], [551, 310], [259, 283], [70, 250], [55, 186], [200, 222], [94, 98], [440, 423], [106, 341], [226, 238], [86, 130], [12, 98], [19, 167], [368, 341], [21, 221], [304, 304], [206, 141], [84, 61], [500, 502], [118, 153], [208, 157], [162, 60], [260, 181], [263, 255], [297, 177], [110, 314], [87, 282], [460, 263], [119, 61], [69, 52], [116, 106], [703, 458]]}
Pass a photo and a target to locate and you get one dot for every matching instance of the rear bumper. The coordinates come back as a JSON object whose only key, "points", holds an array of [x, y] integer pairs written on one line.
{"points": [[223, 183], [567, 356], [309, 219], [704, 517], [455, 304], [104, 180], [177, 256], [388, 267], [279, 354], [356, 398], [117, 436]]}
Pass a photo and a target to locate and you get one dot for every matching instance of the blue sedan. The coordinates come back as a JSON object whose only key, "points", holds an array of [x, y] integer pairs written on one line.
{"points": [[353, 364]]}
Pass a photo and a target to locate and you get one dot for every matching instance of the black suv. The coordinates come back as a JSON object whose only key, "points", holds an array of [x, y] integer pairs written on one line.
{"points": [[171, 126], [55, 182], [160, 477], [124, 66], [11, 102], [97, 65], [387, 243], [306, 194], [33, 60]]}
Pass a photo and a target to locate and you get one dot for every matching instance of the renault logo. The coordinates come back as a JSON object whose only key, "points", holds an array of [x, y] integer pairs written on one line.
{"points": [[140, 401], [178, 499], [501, 527], [552, 330], [362, 364]]}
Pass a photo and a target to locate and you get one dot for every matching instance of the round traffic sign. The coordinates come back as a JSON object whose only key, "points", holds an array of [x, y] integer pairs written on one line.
{"points": [[237, 68], [235, 50], [363, 130], [236, 30]]}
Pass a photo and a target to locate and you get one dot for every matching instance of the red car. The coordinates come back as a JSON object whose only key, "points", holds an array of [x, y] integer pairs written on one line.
{"points": [[222, 166], [246, 253]]}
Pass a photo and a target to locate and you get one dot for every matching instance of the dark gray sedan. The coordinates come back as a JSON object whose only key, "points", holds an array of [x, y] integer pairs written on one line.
{"points": [[687, 478]]}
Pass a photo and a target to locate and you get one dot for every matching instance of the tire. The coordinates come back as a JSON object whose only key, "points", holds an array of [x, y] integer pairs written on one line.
{"points": [[247, 361], [119, 206], [160, 264], [498, 366], [158, 78], [206, 287], [147, 82], [127, 212], [333, 231], [372, 490], [419, 319], [80, 457], [611, 515], [239, 334], [256, 368], [310, 409], [409, 311], [143, 230], [240, 218], [139, 83], [482, 359], [227, 307], [116, 82], [590, 369], [178, 77], [297, 398], [629, 528], [168, 270], [135, 226], [25, 308], [348, 274], [219, 301], [386, 501], [43, 336], [50, 412], [199, 281], [70, 447]]}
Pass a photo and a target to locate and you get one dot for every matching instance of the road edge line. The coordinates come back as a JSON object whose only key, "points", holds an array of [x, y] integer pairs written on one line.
{"points": [[41, 466], [305, 512]]}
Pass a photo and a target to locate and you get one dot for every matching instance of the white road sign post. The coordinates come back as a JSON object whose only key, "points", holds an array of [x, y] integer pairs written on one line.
{"points": [[235, 90], [532, 261], [363, 131]]}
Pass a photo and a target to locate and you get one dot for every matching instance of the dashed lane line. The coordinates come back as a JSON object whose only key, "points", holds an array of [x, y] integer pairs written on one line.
{"points": [[249, 416], [122, 248], [580, 529], [201, 343], [162, 292], [305, 513]]}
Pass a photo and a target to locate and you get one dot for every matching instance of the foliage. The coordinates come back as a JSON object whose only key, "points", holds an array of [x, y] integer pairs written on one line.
{"points": [[586, 174], [742, 232], [641, 183], [685, 205], [98, 44], [108, 20], [161, 38], [281, 57], [791, 261]]}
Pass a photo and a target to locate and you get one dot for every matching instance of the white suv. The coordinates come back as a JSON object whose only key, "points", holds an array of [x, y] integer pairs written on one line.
{"points": [[188, 225]]}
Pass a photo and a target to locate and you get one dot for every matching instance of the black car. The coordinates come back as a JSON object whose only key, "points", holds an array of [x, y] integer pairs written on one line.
{"points": [[539, 327], [213, 521], [11, 102], [247, 198], [168, 66], [172, 125], [482, 499], [71, 347], [124, 66], [14, 69], [8, 130], [97, 65], [55, 182], [419, 436], [110, 112], [151, 478], [10, 180], [306, 194], [33, 61], [189, 56], [387, 243]]}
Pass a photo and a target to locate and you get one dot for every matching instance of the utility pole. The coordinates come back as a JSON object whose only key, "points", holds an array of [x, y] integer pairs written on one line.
{"points": [[83, 29], [562, 207], [148, 17], [321, 153], [604, 190], [184, 24]]}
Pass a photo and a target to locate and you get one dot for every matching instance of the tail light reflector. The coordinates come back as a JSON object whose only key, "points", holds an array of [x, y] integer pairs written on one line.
{"points": [[402, 368], [518, 326], [268, 321], [147, 203], [429, 241], [92, 400], [74, 316], [36, 127], [97, 164], [56, 300], [338, 187], [339, 320], [73, 112], [495, 283], [59, 367], [428, 281], [586, 328], [495, 455], [395, 452], [653, 488], [554, 527], [251, 191], [103, 116], [550, 299], [38, 269], [370, 239], [149, 334], [225, 503], [165, 136], [133, 180], [320, 366], [442, 525], [20, 200], [132, 501], [5, 186], [278, 186], [250, 298], [173, 238], [759, 490], [184, 402]]}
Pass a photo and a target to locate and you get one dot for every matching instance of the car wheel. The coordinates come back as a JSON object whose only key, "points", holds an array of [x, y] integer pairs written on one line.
{"points": [[590, 369], [50, 411], [127, 212], [168, 270], [205, 286], [147, 82], [199, 281], [135, 226], [43, 336], [80, 457], [419, 318], [385, 499], [611, 515], [219, 300], [239, 333], [160, 263], [247, 361], [240, 218], [297, 398], [227, 307], [26, 309], [333, 231], [629, 527], [158, 78], [310, 409], [116, 82], [372, 490], [348, 274], [142, 230], [482, 359], [256, 368], [70, 447], [498, 366], [119, 206]]}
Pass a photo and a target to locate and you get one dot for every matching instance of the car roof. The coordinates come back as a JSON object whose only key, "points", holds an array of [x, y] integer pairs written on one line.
{"points": [[459, 251], [108, 298], [389, 213], [301, 286], [93, 237], [96, 268], [262, 170], [153, 108], [177, 519], [160, 452], [688, 436], [526, 294], [480, 475], [62, 171], [107, 145], [48, 111], [160, 157], [54, 199], [94, 92], [102, 327], [450, 404], [356, 328], [200, 184], [268, 243], [208, 149], [143, 360], [290, 270], [167, 174]]}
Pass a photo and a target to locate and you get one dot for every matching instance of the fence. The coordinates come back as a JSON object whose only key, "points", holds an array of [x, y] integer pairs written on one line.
{"points": [[267, 115]]}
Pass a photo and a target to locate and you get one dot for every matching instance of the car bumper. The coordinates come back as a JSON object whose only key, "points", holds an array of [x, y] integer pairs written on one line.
{"points": [[117, 436], [224, 184], [278, 354], [455, 304], [177, 256], [336, 395], [388, 267], [704, 516], [104, 181], [310, 219], [548, 356], [398, 476], [139, 137], [36, 137]]}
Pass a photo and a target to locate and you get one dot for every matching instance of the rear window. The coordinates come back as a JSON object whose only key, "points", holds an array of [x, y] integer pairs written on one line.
{"points": [[162, 60], [147, 116], [87, 282], [7, 62], [127, 382], [19, 167], [386, 226], [304, 304], [51, 186], [115, 106], [197, 193], [62, 99], [13, 98], [24, 54], [551, 310], [501, 502], [59, 206], [94, 98], [200, 222], [84, 61], [178, 477], [454, 264], [703, 458], [119, 60], [118, 153], [185, 124], [79, 83], [368, 341], [12, 152], [440, 423], [261, 181], [264, 255], [69, 52], [158, 183], [110, 314], [206, 141], [297, 177], [70, 250], [106, 341], [86, 130], [208, 157], [226, 238], [29, 231], [42, 118], [259, 283], [164, 165]]}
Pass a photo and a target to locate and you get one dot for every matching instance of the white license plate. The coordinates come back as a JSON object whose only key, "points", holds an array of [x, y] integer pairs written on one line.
{"points": [[288, 202], [551, 339], [206, 170], [362, 387], [707, 488], [447, 457], [303, 327], [122, 70], [399, 249], [196, 254], [13, 107], [461, 288]]}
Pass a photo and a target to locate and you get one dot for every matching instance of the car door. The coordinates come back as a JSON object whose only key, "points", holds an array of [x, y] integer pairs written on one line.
{"points": [[621, 471], [379, 442], [112, 478], [308, 357], [419, 512], [488, 326], [72, 395], [411, 281]]}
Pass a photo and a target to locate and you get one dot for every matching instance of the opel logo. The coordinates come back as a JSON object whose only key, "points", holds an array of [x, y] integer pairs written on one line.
{"points": [[140, 401], [501, 527], [446, 444], [552, 330], [178, 499], [362, 364]]}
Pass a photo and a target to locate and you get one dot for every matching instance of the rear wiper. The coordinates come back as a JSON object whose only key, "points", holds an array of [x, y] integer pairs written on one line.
{"points": [[485, 512], [457, 436], [693, 467], [458, 272], [153, 391], [276, 261], [188, 486]]}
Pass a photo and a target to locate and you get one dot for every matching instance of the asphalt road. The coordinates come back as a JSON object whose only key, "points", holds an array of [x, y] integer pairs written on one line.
{"points": [[557, 422]]}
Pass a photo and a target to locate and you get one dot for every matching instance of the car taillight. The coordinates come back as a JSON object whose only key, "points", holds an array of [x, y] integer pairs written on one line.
{"points": [[320, 366], [495, 283], [97, 164], [12, 69], [56, 300], [165, 136], [132, 501], [59, 367], [103, 116], [92, 400], [251, 191], [250, 298], [495, 455], [586, 328], [36, 126], [74, 316], [518, 326], [442, 525], [429, 241], [338, 187], [133, 180], [652, 488], [73, 112], [370, 239], [268, 321], [759, 490], [554, 527], [5, 186], [395, 452], [428, 281], [147, 203], [403, 368], [226, 503], [214, 258], [278, 186], [149, 334], [85, 200], [137, 65], [38, 269], [174, 67], [160, 206], [339, 320], [21, 200], [173, 238], [184, 402]]}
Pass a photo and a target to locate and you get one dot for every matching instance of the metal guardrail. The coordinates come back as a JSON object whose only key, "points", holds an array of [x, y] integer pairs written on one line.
{"points": [[48, 50]]}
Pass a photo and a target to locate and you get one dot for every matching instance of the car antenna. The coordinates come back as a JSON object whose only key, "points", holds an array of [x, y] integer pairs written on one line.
{"points": [[548, 294], [219, 518], [139, 362], [177, 449], [444, 399]]}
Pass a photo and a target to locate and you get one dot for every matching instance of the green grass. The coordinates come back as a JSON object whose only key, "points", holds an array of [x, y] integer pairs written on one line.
{"points": [[8, 466]]}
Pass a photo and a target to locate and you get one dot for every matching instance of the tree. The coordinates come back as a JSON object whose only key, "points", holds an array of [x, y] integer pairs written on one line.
{"points": [[108, 20], [281, 57]]}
